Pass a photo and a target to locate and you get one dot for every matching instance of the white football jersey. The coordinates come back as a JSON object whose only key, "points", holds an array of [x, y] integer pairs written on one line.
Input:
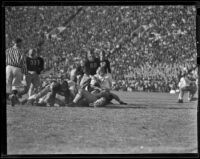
{"points": [[184, 81], [106, 82]]}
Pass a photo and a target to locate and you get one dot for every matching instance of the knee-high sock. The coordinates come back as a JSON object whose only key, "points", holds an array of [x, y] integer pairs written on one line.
{"points": [[181, 94], [78, 96]]}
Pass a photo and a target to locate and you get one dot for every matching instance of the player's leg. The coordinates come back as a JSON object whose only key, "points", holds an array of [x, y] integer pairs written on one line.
{"points": [[36, 97], [50, 99], [16, 83], [35, 83], [84, 80], [28, 83], [41, 101], [101, 102], [182, 91], [73, 77], [90, 98], [30, 91], [79, 78], [181, 94], [103, 98], [83, 94], [60, 100], [43, 92], [68, 97], [191, 92], [114, 96], [9, 79]]}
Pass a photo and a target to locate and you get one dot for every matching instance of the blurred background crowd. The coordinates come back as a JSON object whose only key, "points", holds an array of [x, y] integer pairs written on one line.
{"points": [[153, 44]]}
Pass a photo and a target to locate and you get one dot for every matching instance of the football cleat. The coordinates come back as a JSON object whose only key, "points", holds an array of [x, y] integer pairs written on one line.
{"points": [[72, 104], [41, 104], [180, 101], [123, 103], [30, 101], [14, 100], [23, 101]]}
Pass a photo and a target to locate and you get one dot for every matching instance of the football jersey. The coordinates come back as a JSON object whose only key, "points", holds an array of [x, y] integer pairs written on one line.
{"points": [[91, 66], [35, 64], [79, 70], [184, 81], [106, 65], [105, 82]]}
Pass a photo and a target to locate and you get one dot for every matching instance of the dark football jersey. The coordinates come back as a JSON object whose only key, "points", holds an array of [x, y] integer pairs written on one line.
{"points": [[79, 70], [106, 65], [35, 64], [91, 66]]}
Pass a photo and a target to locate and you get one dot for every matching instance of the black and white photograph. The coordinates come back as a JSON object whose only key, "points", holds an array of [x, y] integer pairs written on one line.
{"points": [[101, 79]]}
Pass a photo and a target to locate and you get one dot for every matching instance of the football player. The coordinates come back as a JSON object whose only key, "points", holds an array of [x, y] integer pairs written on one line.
{"points": [[187, 84], [35, 65], [91, 63], [54, 93], [90, 66], [104, 62]]}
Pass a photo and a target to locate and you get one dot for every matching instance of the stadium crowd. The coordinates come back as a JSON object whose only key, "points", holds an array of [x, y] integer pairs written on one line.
{"points": [[149, 59]]}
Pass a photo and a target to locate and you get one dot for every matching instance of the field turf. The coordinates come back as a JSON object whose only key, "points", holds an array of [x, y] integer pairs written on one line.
{"points": [[150, 123]]}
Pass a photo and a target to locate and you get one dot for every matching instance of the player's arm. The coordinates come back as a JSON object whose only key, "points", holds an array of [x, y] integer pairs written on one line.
{"points": [[24, 64], [108, 66], [95, 87], [86, 68], [41, 65], [98, 62], [110, 83], [94, 81]]}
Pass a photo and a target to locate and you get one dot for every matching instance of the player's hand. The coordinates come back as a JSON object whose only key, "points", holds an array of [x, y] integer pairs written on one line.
{"points": [[103, 64]]}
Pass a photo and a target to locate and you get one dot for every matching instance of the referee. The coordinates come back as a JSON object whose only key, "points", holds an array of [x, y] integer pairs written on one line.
{"points": [[15, 68]]}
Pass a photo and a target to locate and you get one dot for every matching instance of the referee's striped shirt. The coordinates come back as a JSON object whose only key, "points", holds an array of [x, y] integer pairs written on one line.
{"points": [[14, 57]]}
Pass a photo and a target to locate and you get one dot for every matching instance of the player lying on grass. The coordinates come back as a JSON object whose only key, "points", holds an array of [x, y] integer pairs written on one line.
{"points": [[187, 84], [54, 93], [89, 93], [97, 93]]}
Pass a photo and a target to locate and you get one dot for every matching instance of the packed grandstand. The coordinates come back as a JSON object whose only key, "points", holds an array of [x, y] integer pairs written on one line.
{"points": [[148, 46]]}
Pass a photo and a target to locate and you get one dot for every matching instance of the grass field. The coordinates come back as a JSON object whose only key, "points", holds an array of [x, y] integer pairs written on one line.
{"points": [[150, 123]]}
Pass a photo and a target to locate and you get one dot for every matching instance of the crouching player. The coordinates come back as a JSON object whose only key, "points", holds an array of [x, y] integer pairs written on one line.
{"points": [[55, 93], [186, 84]]}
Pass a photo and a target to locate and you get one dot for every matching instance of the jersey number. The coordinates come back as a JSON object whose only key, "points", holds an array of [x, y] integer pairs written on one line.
{"points": [[93, 65], [35, 62]]}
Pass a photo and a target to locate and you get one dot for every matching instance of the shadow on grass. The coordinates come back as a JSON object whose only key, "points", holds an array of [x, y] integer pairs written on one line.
{"points": [[194, 99], [129, 106], [146, 106]]}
